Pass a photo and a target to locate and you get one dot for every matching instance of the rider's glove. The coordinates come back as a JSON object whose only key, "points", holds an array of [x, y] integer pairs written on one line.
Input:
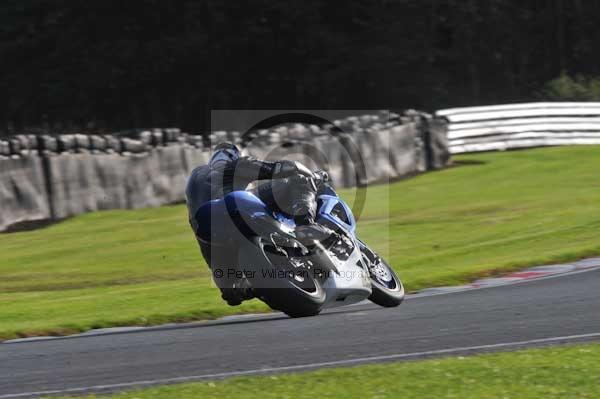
{"points": [[284, 169], [322, 176]]}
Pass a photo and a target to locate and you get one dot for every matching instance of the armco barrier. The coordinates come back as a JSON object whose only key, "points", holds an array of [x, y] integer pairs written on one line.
{"points": [[511, 126], [54, 177]]}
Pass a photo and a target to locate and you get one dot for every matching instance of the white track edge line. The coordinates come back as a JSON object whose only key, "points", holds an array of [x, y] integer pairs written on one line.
{"points": [[259, 316], [416, 295], [302, 366]]}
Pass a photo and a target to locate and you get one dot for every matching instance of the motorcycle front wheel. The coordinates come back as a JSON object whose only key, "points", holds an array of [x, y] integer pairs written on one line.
{"points": [[387, 288]]}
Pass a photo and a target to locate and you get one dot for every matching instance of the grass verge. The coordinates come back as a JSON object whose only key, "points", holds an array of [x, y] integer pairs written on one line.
{"points": [[554, 372], [497, 212]]}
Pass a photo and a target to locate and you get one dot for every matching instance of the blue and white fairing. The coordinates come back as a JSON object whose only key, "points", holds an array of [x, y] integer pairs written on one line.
{"points": [[333, 209], [352, 283], [242, 215]]}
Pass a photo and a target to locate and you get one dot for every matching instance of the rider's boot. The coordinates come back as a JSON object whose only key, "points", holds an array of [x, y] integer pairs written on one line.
{"points": [[308, 232], [239, 292]]}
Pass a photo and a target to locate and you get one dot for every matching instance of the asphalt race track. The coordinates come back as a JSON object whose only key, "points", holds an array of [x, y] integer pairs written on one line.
{"points": [[537, 312]]}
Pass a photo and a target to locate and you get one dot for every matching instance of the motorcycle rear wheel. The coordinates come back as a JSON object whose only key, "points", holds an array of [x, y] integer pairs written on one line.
{"points": [[299, 294], [295, 298]]}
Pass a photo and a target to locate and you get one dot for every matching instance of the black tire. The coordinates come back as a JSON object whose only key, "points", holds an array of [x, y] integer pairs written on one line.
{"points": [[293, 308], [388, 290], [293, 301], [299, 296]]}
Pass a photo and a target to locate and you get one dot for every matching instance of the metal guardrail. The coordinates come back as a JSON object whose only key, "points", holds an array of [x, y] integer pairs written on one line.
{"points": [[512, 126]]}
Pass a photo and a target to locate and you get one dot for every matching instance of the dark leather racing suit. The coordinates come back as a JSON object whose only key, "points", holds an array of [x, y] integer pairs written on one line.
{"points": [[287, 191]]}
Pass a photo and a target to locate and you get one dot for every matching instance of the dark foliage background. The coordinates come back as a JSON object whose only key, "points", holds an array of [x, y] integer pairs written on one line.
{"points": [[135, 63]]}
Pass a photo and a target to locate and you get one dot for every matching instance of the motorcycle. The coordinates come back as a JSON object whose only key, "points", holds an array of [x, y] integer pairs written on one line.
{"points": [[299, 280]]}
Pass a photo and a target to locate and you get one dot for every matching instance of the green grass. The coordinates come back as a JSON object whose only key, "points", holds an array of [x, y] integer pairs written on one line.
{"points": [[556, 372], [494, 212]]}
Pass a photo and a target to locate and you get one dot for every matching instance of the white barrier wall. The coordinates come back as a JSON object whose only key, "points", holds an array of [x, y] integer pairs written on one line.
{"points": [[511, 126]]}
